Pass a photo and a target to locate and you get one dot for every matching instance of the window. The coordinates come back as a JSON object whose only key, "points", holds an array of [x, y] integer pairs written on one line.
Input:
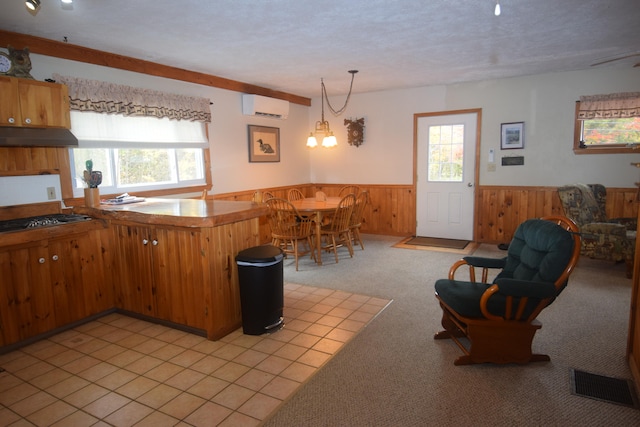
{"points": [[607, 124], [446, 149], [138, 153]]}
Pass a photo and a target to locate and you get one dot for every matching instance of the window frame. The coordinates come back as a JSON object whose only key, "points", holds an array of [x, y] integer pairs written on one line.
{"points": [[577, 134]]}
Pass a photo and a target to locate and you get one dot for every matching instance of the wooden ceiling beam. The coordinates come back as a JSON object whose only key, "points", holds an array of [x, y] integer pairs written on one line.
{"points": [[92, 56]]}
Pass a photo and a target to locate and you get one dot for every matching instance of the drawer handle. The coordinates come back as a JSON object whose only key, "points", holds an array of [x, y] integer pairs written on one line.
{"points": [[12, 120], [154, 242], [27, 121], [41, 260], [145, 242], [55, 257]]}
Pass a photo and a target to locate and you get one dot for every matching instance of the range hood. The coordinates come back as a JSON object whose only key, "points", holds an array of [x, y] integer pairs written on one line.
{"points": [[35, 137]]}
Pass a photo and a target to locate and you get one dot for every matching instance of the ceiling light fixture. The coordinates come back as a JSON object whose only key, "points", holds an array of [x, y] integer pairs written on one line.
{"points": [[32, 4], [497, 10], [322, 126]]}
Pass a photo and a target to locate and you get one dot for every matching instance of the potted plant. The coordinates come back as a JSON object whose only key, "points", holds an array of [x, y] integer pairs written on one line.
{"points": [[92, 179]]}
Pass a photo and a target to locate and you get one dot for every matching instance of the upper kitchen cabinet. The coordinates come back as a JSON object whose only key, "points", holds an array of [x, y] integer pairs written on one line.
{"points": [[31, 103]]}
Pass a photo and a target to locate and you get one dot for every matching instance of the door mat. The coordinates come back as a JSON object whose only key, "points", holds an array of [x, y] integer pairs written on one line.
{"points": [[606, 389], [438, 243]]}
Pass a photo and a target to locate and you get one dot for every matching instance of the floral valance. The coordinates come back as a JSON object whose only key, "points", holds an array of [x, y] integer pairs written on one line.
{"points": [[615, 106], [110, 98]]}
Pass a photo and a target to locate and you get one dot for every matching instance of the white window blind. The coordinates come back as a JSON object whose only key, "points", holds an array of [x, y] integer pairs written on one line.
{"points": [[97, 130]]}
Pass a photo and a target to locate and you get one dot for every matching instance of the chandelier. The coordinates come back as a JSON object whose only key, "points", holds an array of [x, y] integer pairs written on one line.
{"points": [[322, 126]]}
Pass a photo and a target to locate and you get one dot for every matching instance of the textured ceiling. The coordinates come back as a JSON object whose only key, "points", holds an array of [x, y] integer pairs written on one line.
{"points": [[288, 45]]}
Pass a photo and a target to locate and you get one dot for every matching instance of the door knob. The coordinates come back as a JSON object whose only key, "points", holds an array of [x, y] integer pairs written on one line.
{"points": [[469, 184]]}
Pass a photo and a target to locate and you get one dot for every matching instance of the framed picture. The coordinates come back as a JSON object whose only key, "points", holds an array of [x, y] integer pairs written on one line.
{"points": [[264, 144], [512, 135]]}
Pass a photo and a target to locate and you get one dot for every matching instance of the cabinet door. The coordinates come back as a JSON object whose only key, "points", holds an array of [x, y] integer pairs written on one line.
{"points": [[77, 275], [132, 269], [178, 276], [9, 102], [44, 104], [26, 297]]}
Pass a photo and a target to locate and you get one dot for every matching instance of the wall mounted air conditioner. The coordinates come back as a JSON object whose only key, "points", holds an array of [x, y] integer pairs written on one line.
{"points": [[256, 105]]}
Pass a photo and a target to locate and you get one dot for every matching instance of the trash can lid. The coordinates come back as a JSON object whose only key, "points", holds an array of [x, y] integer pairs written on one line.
{"points": [[264, 253]]}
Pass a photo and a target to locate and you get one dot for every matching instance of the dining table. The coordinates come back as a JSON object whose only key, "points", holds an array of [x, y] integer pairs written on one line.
{"points": [[317, 207]]}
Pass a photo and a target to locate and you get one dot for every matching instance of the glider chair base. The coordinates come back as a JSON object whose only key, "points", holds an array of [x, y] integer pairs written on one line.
{"points": [[490, 341]]}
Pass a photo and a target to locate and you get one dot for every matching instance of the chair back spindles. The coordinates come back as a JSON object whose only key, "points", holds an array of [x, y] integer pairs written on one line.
{"points": [[295, 194]]}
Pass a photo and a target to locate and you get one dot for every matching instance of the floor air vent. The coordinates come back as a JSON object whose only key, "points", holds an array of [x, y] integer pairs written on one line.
{"points": [[606, 389]]}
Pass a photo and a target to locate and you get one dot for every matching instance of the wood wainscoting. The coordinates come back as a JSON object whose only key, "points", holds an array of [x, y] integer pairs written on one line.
{"points": [[500, 209]]}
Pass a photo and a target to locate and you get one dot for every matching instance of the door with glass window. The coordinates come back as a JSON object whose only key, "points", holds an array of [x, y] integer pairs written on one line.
{"points": [[446, 146]]}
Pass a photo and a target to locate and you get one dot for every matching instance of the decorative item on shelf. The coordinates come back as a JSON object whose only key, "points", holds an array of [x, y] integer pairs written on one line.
{"points": [[355, 131], [16, 63], [92, 179], [322, 126]]}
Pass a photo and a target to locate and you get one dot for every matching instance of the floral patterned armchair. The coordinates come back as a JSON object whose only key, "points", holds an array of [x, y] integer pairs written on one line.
{"points": [[602, 238]]}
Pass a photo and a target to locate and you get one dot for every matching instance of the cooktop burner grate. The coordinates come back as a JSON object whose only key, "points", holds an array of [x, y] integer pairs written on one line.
{"points": [[19, 224]]}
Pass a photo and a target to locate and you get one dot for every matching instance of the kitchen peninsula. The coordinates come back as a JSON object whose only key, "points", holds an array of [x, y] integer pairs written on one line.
{"points": [[165, 260], [174, 259]]}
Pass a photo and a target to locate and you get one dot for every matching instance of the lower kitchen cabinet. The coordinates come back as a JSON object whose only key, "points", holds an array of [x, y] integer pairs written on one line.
{"points": [[26, 295], [80, 287], [51, 283], [158, 273]]}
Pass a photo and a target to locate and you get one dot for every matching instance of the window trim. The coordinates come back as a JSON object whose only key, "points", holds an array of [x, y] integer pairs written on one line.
{"points": [[577, 133]]}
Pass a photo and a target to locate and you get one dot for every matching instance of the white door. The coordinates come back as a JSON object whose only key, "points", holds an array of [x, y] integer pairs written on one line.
{"points": [[446, 146]]}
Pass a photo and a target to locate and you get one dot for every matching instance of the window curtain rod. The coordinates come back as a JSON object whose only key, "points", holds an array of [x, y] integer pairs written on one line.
{"points": [[111, 98]]}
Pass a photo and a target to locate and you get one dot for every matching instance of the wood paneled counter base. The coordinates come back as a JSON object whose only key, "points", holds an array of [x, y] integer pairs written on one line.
{"points": [[174, 259]]}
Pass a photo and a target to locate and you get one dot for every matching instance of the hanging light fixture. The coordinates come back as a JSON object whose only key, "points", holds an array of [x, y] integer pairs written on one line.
{"points": [[322, 126], [497, 10]]}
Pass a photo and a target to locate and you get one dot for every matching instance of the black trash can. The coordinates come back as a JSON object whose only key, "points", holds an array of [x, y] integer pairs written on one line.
{"points": [[260, 274]]}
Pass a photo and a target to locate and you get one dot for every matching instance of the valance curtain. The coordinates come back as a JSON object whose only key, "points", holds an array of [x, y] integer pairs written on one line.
{"points": [[110, 98], [615, 106]]}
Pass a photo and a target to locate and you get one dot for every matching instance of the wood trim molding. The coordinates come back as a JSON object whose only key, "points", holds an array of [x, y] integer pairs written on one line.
{"points": [[92, 56]]}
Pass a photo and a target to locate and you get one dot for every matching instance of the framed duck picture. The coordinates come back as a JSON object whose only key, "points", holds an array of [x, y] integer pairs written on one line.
{"points": [[264, 144]]}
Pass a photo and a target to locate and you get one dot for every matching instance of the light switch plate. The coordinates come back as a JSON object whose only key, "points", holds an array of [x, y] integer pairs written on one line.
{"points": [[51, 193]]}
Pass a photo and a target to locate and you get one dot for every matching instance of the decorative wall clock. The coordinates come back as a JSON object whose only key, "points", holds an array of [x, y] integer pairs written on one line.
{"points": [[355, 131], [16, 63], [5, 64]]}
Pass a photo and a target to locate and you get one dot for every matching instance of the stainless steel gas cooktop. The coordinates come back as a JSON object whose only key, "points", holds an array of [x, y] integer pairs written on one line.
{"points": [[22, 224]]}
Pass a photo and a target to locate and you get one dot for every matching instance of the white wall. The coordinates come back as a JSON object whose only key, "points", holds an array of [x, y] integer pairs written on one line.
{"points": [[228, 134], [546, 103]]}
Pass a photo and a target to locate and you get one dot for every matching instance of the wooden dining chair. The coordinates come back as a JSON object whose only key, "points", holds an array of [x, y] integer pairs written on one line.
{"points": [[295, 194], [362, 200], [337, 232], [349, 189], [266, 195], [289, 229]]}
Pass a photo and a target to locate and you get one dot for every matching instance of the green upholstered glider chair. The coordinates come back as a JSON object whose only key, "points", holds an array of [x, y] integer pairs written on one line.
{"points": [[602, 238], [498, 316]]}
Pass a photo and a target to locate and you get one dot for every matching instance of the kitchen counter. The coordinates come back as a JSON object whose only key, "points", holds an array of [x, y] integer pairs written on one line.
{"points": [[178, 212]]}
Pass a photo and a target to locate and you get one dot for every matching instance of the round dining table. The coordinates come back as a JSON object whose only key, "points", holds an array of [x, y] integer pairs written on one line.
{"points": [[317, 208]]}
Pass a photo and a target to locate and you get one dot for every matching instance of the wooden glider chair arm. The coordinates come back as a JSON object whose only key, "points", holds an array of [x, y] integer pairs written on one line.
{"points": [[523, 290], [477, 262]]}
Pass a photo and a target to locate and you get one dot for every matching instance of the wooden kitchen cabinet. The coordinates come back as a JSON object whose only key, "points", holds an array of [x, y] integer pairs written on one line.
{"points": [[158, 274], [31, 103], [26, 295], [81, 285], [51, 283]]}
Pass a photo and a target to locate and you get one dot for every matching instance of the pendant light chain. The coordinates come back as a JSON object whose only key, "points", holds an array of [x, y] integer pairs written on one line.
{"points": [[346, 102]]}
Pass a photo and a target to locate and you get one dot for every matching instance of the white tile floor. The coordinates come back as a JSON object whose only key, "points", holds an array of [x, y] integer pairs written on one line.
{"points": [[122, 371]]}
